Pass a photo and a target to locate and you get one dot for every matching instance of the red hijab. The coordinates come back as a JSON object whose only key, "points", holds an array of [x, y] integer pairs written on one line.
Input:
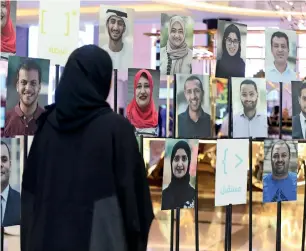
{"points": [[149, 117], [8, 35]]}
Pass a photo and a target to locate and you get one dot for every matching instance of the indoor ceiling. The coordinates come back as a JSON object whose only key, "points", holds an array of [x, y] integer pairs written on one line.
{"points": [[149, 11]]}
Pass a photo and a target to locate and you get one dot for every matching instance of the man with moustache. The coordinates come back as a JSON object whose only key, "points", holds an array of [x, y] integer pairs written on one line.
{"points": [[10, 198], [280, 71], [299, 121], [194, 122], [281, 184], [249, 122], [117, 29], [21, 120]]}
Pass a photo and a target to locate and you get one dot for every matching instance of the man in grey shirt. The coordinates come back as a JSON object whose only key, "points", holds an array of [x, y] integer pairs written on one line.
{"points": [[248, 122]]}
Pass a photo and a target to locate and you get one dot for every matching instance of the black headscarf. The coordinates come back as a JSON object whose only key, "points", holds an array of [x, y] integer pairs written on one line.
{"points": [[179, 191], [183, 180], [230, 66], [83, 88]]}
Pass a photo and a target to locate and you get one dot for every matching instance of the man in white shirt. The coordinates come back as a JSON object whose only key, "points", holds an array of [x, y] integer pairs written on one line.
{"points": [[299, 120], [10, 198], [280, 71], [249, 122], [119, 50]]}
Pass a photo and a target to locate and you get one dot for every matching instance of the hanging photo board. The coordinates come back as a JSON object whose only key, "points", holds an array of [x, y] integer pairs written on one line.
{"points": [[58, 30], [231, 171]]}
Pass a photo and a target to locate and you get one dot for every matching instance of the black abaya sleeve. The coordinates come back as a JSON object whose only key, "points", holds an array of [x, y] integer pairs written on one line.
{"points": [[28, 189], [132, 188]]}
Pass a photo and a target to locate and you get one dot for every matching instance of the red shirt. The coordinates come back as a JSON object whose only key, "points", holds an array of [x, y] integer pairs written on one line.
{"points": [[17, 124]]}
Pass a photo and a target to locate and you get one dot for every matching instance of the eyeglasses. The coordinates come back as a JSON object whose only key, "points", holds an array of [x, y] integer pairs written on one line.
{"points": [[229, 41]]}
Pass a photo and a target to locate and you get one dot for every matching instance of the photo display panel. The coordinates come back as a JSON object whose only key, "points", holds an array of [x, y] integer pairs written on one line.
{"points": [[231, 49], [10, 181], [58, 30], [180, 170], [176, 44], [281, 54], [3, 76], [249, 104], [220, 109], [143, 98], [27, 94], [280, 170], [8, 28], [231, 171], [116, 35], [193, 106], [298, 91]]}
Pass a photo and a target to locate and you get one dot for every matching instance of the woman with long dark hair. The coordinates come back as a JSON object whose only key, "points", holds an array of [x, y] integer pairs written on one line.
{"points": [[231, 64]]}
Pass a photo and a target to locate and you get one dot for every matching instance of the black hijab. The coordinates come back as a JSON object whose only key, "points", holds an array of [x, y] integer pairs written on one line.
{"points": [[179, 191], [83, 89], [230, 66]]}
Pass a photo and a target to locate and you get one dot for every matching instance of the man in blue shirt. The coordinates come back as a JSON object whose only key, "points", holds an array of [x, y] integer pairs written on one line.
{"points": [[281, 184]]}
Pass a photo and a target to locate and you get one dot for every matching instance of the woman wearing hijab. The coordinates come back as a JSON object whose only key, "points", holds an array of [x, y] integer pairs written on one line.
{"points": [[84, 185], [8, 35], [231, 64], [179, 193], [141, 112], [176, 57]]}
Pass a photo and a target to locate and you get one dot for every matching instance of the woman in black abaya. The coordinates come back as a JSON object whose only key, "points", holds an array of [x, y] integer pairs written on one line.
{"points": [[231, 64], [84, 186], [179, 193]]}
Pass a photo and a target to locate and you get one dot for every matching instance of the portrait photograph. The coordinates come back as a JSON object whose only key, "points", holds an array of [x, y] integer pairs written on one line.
{"points": [[298, 90], [273, 110], [231, 49], [249, 104], [8, 28], [231, 172], [176, 44], [142, 104], [219, 99], [193, 106], [116, 35], [180, 170], [3, 75], [10, 181], [27, 94], [280, 55], [280, 170]]}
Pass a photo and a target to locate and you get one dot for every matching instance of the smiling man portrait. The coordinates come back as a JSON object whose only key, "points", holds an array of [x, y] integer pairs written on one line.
{"points": [[281, 183], [115, 28], [280, 67], [26, 82], [10, 198], [193, 122]]}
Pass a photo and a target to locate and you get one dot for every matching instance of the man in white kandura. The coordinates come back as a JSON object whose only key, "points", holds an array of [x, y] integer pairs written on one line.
{"points": [[119, 50]]}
